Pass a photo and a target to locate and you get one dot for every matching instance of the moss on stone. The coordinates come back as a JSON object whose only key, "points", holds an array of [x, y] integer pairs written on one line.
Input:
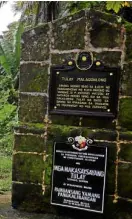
{"points": [[125, 113], [32, 108], [126, 80], [29, 143], [104, 35], [33, 78], [125, 135], [48, 170], [128, 27], [28, 168], [126, 152], [67, 35], [125, 180], [35, 44]]}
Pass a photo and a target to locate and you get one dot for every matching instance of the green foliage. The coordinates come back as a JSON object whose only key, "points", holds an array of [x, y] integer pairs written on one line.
{"points": [[115, 6], [10, 51], [9, 67], [5, 174], [75, 6]]}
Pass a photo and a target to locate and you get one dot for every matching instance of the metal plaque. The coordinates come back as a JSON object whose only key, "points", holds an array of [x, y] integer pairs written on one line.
{"points": [[92, 92], [78, 178]]}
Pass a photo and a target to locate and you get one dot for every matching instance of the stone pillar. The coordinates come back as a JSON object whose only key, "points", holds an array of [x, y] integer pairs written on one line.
{"points": [[49, 45]]}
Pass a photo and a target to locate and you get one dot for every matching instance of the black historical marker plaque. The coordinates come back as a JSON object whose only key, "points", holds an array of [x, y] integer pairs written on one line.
{"points": [[92, 92], [78, 178]]}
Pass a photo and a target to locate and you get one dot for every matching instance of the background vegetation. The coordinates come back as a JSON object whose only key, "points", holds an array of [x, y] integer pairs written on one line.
{"points": [[32, 13]]}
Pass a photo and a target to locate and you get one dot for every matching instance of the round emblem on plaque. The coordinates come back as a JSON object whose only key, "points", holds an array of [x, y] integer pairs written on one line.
{"points": [[84, 60]]}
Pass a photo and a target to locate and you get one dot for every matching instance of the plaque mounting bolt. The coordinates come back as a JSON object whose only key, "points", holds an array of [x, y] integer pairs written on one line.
{"points": [[55, 107], [70, 63], [84, 58], [57, 72], [98, 63], [111, 74], [108, 110]]}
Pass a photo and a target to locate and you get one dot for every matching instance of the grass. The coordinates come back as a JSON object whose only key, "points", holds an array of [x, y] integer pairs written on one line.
{"points": [[5, 174]]}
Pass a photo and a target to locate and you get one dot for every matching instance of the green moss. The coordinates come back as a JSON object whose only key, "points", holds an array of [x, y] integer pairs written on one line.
{"points": [[29, 143], [28, 168], [104, 35], [128, 27], [126, 152], [32, 108], [31, 125], [125, 180], [67, 35], [125, 113], [48, 170], [125, 135]]}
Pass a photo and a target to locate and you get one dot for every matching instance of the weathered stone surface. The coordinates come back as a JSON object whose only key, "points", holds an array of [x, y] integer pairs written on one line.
{"points": [[28, 168], [34, 128], [124, 180], [94, 122], [110, 179], [33, 78], [60, 59], [109, 18], [35, 44], [105, 135], [65, 120], [32, 108], [111, 58], [125, 113], [126, 80], [29, 143], [30, 198], [67, 34], [126, 152], [102, 32], [128, 27], [125, 135], [48, 170]]}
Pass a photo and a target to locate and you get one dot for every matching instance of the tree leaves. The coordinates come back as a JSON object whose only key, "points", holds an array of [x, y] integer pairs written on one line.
{"points": [[116, 5]]}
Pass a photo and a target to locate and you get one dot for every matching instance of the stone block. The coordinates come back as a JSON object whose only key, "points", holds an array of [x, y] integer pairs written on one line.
{"points": [[128, 27], [60, 59], [98, 122], [110, 179], [69, 34], [125, 153], [35, 44], [33, 78], [110, 59], [125, 135], [104, 135], [30, 198], [34, 128], [65, 120], [102, 32], [125, 113], [124, 209], [29, 143], [32, 108], [125, 180], [28, 168], [126, 80]]}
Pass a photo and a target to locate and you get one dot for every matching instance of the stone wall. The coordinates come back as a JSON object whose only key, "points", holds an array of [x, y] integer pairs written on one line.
{"points": [[50, 44]]}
